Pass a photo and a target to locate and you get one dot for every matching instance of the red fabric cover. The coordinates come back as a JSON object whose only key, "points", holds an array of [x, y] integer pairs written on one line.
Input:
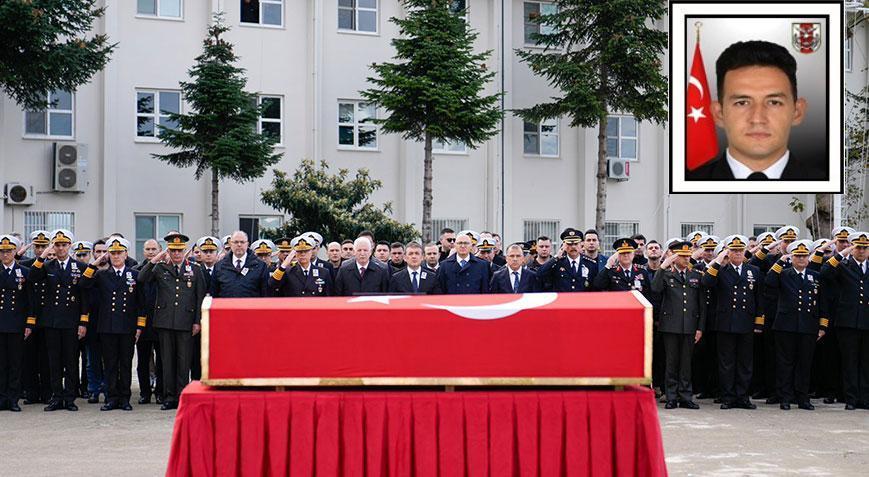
{"points": [[397, 433], [577, 335]]}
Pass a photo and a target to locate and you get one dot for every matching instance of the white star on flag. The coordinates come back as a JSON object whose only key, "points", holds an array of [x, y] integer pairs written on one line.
{"points": [[696, 114], [384, 299]]}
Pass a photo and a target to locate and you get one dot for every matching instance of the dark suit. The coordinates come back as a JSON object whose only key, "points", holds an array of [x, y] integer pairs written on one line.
{"points": [[348, 282], [15, 312], [401, 282], [473, 278], [795, 170], [251, 281], [559, 276], [502, 281], [852, 324], [705, 367], [294, 282]]}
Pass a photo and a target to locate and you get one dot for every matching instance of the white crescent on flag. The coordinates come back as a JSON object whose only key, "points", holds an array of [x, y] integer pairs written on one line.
{"points": [[692, 81], [502, 310]]}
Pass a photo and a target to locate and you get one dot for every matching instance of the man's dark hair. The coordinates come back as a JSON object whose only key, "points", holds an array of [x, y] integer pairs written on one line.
{"points": [[116, 234], [755, 53], [395, 245], [366, 233], [345, 242], [592, 231], [542, 237], [101, 241], [752, 238], [382, 242], [447, 230], [651, 242], [638, 237]]}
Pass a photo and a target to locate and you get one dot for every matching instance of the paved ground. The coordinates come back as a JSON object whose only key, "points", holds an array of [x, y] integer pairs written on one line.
{"points": [[709, 441]]}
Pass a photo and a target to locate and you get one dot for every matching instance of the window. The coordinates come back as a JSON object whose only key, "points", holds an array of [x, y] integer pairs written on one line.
{"points": [[536, 228], [49, 221], [533, 11], [616, 230], [252, 225], [263, 12], [270, 119], [439, 224], [152, 108], [355, 130], [357, 15], [758, 229], [621, 137], [541, 139], [159, 8], [849, 52], [449, 147], [155, 226], [57, 121], [687, 228]]}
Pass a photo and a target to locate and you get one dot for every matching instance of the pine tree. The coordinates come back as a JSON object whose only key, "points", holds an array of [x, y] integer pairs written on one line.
{"points": [[333, 205], [432, 91], [45, 47], [219, 135], [604, 57]]}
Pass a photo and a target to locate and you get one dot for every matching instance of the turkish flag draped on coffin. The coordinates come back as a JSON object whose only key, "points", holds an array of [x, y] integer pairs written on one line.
{"points": [[702, 142], [603, 338]]}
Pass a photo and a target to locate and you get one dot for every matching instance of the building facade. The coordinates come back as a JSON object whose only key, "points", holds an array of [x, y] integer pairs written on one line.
{"points": [[308, 59]]}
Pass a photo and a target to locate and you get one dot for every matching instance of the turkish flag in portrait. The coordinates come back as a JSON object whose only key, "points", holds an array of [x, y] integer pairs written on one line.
{"points": [[702, 142]]}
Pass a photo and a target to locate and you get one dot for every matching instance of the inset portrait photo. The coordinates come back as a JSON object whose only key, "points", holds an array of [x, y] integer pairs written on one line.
{"points": [[756, 93]]}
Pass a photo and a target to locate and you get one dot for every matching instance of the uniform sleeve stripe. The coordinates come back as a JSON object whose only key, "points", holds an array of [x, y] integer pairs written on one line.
{"points": [[833, 262], [278, 274], [142, 321], [31, 320], [760, 254], [824, 322], [89, 272], [84, 318], [713, 271], [817, 258], [759, 320], [38, 263], [777, 268]]}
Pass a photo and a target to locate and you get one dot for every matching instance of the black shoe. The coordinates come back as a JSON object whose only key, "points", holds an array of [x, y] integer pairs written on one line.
{"points": [[14, 407], [806, 405], [167, 405], [109, 406], [745, 405], [126, 407], [829, 400], [784, 406], [145, 400], [71, 407], [158, 399], [773, 400], [670, 405], [850, 407], [689, 405], [862, 405], [54, 405], [94, 398], [726, 405]]}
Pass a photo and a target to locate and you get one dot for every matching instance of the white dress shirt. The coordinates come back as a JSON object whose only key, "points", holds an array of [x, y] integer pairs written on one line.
{"points": [[741, 171]]}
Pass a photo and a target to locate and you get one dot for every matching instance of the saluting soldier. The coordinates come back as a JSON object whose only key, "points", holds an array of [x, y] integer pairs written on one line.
{"points": [[16, 320], [620, 272], [738, 314], [570, 273], [683, 316], [705, 365], [180, 289], [285, 246], [848, 273], [122, 318], [147, 345], [462, 273], [240, 274], [263, 249], [486, 252], [37, 386], [799, 323], [317, 241], [297, 275], [64, 318]]}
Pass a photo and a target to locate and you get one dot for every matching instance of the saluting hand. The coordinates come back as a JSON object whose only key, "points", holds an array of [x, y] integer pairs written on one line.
{"points": [[697, 253], [611, 261], [160, 256], [289, 260], [48, 250], [22, 249], [561, 250], [99, 261], [668, 262], [847, 251], [721, 257]]}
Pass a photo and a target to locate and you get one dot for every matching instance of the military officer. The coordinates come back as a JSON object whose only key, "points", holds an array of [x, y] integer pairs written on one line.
{"points": [[297, 275], [486, 252], [180, 289], [570, 273], [37, 387], [738, 313], [462, 272], [694, 237], [147, 345], [317, 240], [705, 365], [683, 316], [82, 250], [263, 249], [848, 273], [285, 246], [240, 274], [620, 272], [122, 318], [64, 318], [208, 249], [16, 320], [798, 322]]}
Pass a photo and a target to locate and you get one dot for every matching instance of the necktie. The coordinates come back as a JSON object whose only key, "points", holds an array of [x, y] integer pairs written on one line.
{"points": [[361, 272], [119, 273], [463, 263], [415, 283], [739, 271], [9, 271], [515, 282], [757, 176], [209, 271], [573, 266], [305, 271], [238, 265], [682, 276], [177, 269]]}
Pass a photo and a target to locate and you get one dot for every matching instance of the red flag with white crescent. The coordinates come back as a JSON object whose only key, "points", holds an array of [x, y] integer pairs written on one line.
{"points": [[702, 142]]}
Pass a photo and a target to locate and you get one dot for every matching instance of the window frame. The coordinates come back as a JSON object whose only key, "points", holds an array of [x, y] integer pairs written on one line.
{"points": [[620, 137], [260, 23], [258, 218], [540, 28], [440, 148], [440, 223], [159, 235], [48, 110], [279, 121], [765, 227], [539, 225], [156, 114], [540, 134], [687, 227], [355, 9], [606, 240], [848, 53], [158, 16], [31, 226], [356, 125]]}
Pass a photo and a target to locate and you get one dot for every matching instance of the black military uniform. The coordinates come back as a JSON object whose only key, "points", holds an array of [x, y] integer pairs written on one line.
{"points": [[64, 312], [683, 314], [180, 290], [738, 313], [828, 360], [620, 279], [568, 274], [705, 366], [851, 280], [206, 243], [298, 281], [796, 326], [121, 307], [148, 343], [36, 380], [15, 316]]}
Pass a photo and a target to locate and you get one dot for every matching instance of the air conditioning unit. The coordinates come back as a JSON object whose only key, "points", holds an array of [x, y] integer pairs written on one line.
{"points": [[70, 167], [618, 169], [19, 194]]}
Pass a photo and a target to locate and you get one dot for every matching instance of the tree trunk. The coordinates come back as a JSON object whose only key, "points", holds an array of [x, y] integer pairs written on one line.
{"points": [[820, 223], [426, 190], [215, 211], [600, 206]]}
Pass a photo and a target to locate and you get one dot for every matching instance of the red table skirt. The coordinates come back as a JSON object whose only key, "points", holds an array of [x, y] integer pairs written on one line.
{"points": [[417, 433]]}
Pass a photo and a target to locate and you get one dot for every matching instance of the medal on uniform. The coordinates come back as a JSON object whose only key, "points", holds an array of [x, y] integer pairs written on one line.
{"points": [[638, 284], [131, 289], [585, 272], [18, 273], [810, 278], [315, 272], [73, 266]]}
